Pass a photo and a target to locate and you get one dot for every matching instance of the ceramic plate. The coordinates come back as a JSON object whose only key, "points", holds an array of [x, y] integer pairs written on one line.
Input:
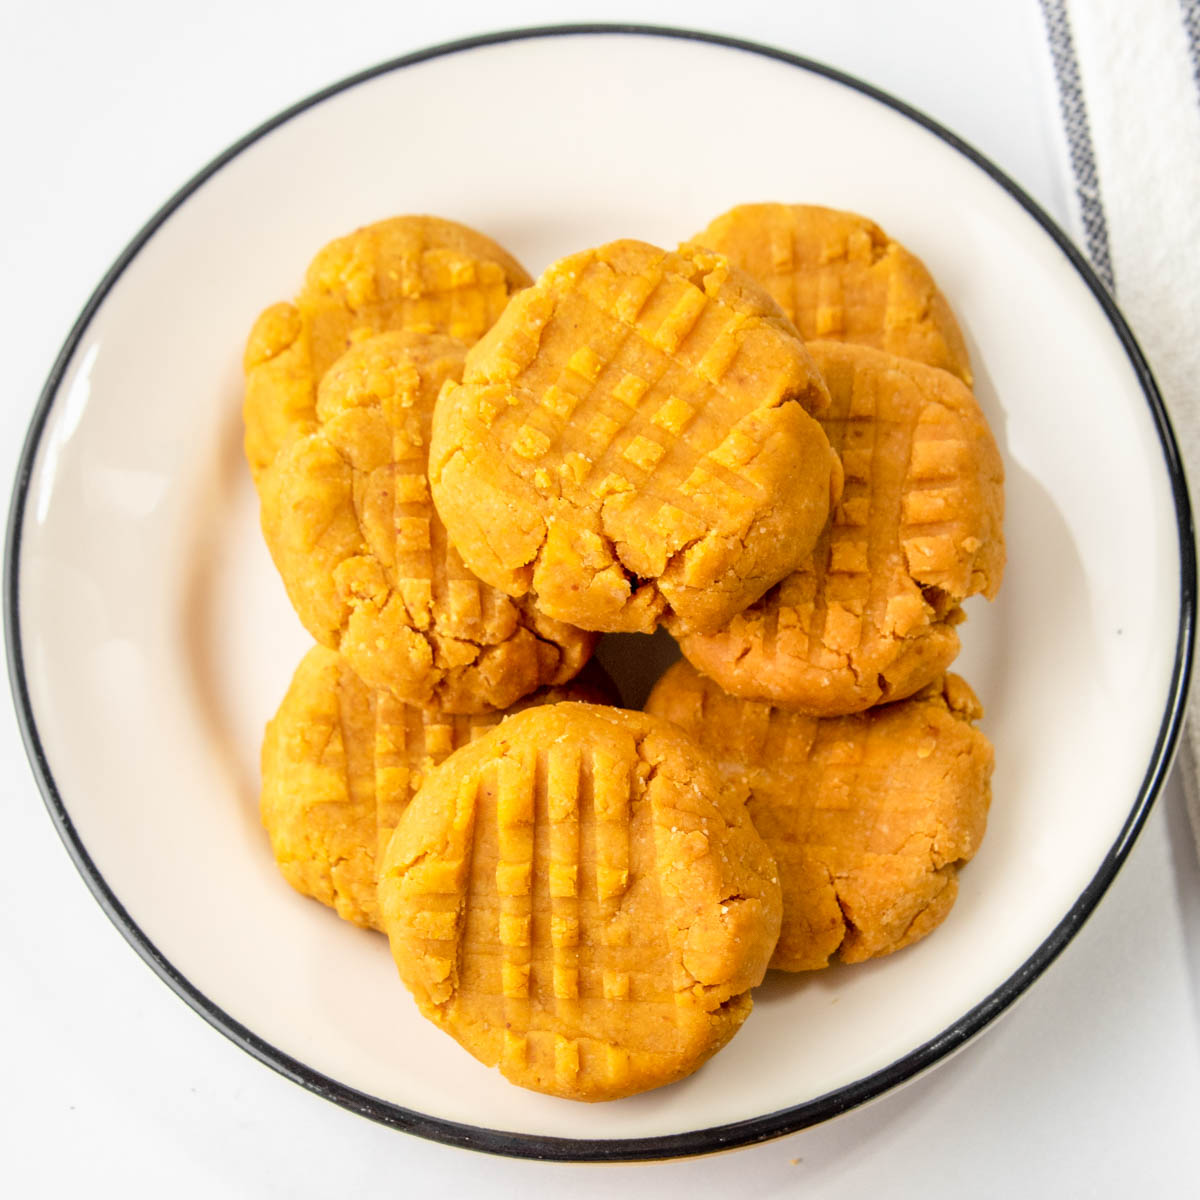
{"points": [[150, 639]]}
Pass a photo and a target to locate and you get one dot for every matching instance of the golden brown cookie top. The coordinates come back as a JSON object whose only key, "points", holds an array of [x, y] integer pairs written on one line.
{"points": [[870, 616], [869, 816], [578, 898], [421, 274], [349, 521], [318, 786], [632, 443], [340, 762], [839, 277]]}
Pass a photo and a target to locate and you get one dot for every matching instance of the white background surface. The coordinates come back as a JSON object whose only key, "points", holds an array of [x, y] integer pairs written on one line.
{"points": [[1091, 1086]]}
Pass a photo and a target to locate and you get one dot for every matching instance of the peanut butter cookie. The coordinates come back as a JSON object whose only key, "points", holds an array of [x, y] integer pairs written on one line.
{"points": [[839, 277], [348, 518], [869, 816], [632, 443], [407, 273], [340, 763], [871, 615], [578, 898]]}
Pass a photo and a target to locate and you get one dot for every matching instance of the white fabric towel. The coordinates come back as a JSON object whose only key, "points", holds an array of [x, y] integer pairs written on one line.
{"points": [[1128, 80]]}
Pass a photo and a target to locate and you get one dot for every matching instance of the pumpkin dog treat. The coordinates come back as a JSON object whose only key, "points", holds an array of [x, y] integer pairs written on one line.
{"points": [[869, 816], [408, 273], [349, 521], [839, 277], [871, 615], [578, 898], [340, 763], [632, 443]]}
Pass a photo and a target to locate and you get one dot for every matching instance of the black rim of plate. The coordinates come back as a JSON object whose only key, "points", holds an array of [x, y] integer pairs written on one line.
{"points": [[701, 1141]]}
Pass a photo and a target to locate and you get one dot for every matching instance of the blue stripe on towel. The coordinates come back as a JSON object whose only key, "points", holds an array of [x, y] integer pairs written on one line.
{"points": [[1079, 137], [1191, 26]]}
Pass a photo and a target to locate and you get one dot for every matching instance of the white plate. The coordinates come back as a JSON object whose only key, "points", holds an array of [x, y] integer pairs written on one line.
{"points": [[150, 639]]}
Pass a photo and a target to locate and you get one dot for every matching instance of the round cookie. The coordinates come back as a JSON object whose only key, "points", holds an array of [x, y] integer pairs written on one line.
{"points": [[839, 277], [578, 898], [868, 816], [347, 515], [871, 616], [632, 443], [340, 763], [422, 274]]}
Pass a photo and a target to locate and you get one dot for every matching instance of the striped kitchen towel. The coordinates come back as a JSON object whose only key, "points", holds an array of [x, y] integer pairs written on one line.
{"points": [[1127, 74]]}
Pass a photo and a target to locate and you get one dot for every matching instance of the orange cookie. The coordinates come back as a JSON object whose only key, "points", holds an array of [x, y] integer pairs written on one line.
{"points": [[870, 616], [349, 521], [839, 277], [340, 763], [579, 899], [632, 443], [869, 816], [414, 273]]}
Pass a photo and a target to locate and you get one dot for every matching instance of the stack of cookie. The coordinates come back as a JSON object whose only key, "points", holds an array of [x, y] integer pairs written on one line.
{"points": [[764, 442]]}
